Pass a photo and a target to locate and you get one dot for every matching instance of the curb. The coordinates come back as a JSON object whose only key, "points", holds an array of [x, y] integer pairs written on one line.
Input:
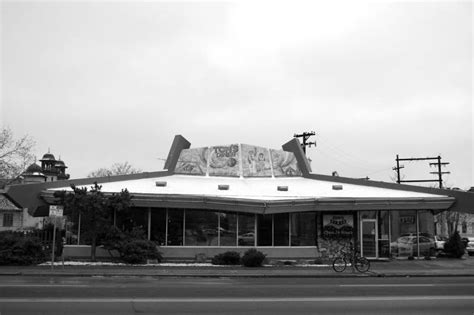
{"points": [[242, 275]]}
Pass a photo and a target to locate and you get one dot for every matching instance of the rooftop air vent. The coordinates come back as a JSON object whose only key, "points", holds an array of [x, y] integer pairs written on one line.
{"points": [[160, 184], [223, 187], [336, 187], [282, 188]]}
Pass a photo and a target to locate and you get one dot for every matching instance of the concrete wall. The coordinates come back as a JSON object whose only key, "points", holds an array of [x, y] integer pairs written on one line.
{"points": [[84, 252]]}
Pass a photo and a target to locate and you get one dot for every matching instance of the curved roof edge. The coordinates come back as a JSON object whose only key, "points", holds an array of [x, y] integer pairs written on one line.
{"points": [[28, 195]]}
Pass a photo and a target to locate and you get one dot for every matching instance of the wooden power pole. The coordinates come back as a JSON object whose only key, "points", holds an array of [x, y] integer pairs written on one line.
{"points": [[305, 135]]}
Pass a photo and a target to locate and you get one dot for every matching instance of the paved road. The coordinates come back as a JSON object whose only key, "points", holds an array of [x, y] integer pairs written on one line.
{"points": [[152, 295]]}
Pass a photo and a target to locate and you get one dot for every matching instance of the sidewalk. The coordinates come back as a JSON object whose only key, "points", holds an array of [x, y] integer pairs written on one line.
{"points": [[441, 267]]}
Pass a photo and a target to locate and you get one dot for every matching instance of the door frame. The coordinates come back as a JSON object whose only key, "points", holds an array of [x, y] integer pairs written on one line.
{"points": [[376, 237]]}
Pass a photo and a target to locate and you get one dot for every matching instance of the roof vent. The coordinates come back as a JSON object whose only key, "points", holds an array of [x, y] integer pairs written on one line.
{"points": [[336, 187], [161, 184], [282, 188], [223, 187]]}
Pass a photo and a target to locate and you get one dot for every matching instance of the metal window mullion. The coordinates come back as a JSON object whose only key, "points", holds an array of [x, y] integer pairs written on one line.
{"points": [[218, 228], [184, 227], [289, 230], [79, 230], [149, 223], [361, 249], [377, 234], [255, 223], [417, 235], [166, 227], [273, 230], [389, 233], [237, 232]]}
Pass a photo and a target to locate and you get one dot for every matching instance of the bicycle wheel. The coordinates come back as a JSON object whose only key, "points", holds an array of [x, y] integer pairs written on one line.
{"points": [[339, 264], [362, 264]]}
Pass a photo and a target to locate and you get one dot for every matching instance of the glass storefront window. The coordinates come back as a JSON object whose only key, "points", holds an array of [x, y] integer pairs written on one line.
{"points": [[426, 230], [201, 228], [281, 229], [264, 230], [303, 229], [228, 229], [158, 226], [404, 230], [246, 229], [175, 227]]}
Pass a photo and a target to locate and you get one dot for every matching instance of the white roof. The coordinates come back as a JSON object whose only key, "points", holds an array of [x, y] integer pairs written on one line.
{"points": [[253, 188]]}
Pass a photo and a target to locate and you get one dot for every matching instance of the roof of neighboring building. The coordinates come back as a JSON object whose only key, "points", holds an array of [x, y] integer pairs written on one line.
{"points": [[60, 164], [48, 157], [33, 170], [7, 204]]}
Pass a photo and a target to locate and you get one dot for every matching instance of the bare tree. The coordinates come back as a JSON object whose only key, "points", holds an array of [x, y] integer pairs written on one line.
{"points": [[116, 169], [15, 154]]}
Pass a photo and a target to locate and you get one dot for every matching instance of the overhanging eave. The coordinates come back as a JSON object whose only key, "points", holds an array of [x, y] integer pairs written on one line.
{"points": [[264, 206]]}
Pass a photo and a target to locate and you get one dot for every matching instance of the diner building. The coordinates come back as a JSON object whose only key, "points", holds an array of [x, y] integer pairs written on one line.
{"points": [[209, 200]]}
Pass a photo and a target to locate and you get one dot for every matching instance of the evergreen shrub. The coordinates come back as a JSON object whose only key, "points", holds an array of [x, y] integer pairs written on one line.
{"points": [[139, 251], [131, 246], [18, 249], [227, 258], [454, 247], [253, 258]]}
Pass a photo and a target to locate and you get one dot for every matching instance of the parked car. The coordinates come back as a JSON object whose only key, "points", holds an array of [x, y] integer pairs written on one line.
{"points": [[247, 239], [439, 243], [407, 246], [470, 245]]}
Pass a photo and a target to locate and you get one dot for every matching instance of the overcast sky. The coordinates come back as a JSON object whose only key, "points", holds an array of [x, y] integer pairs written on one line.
{"points": [[101, 82]]}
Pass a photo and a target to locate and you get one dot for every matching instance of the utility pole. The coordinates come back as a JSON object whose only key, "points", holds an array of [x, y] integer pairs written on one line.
{"points": [[439, 172], [397, 168], [305, 135]]}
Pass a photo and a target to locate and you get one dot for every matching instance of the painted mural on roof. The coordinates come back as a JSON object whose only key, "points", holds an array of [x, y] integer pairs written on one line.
{"points": [[235, 160], [192, 161], [224, 161], [255, 161], [284, 164]]}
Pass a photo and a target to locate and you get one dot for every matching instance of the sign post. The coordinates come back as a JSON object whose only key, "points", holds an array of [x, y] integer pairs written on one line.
{"points": [[54, 212]]}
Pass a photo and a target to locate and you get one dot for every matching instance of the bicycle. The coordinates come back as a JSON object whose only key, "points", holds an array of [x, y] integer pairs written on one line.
{"points": [[353, 257]]}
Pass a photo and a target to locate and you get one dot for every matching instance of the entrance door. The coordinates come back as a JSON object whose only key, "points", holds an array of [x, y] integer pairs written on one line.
{"points": [[368, 238]]}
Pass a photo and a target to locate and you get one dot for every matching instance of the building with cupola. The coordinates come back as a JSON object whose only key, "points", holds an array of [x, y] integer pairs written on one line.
{"points": [[53, 169], [14, 217]]}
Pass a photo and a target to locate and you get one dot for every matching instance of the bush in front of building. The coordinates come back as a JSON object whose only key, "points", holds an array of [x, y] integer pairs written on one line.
{"points": [[227, 258], [19, 249], [139, 251], [454, 247], [132, 247], [253, 258]]}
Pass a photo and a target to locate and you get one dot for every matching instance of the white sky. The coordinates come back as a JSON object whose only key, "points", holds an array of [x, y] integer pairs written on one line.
{"points": [[101, 82]]}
